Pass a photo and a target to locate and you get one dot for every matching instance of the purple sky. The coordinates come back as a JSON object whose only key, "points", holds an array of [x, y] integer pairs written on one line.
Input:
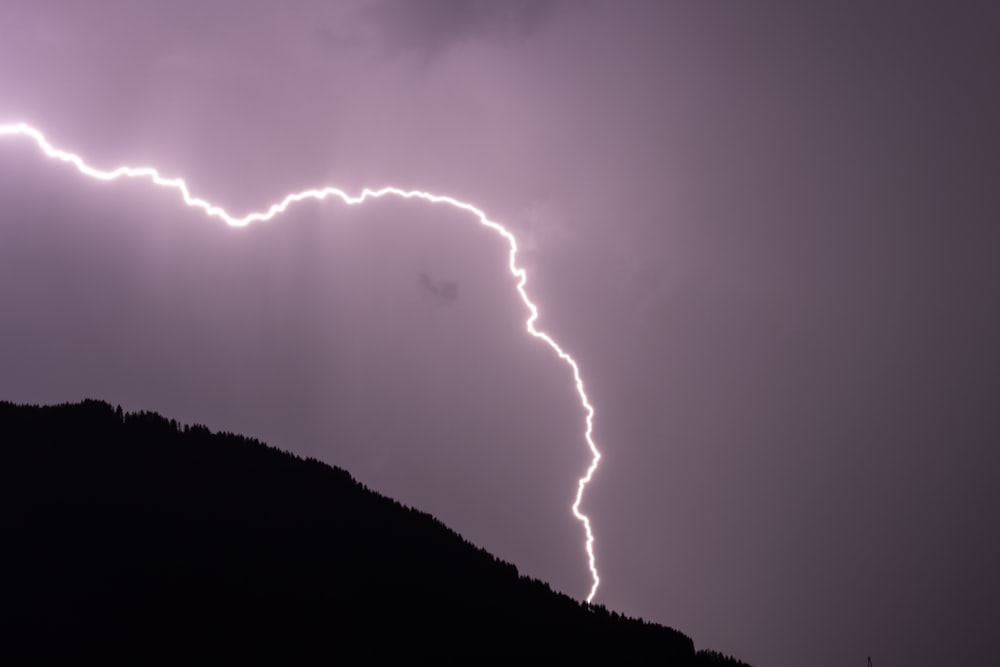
{"points": [[769, 233]]}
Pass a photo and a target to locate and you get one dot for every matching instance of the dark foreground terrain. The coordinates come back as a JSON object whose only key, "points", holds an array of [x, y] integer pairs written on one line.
{"points": [[127, 537]]}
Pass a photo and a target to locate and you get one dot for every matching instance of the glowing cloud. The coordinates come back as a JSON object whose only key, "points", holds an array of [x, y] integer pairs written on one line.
{"points": [[22, 129]]}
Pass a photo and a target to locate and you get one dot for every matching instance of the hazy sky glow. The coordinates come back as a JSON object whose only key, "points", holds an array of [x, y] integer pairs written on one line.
{"points": [[768, 233]]}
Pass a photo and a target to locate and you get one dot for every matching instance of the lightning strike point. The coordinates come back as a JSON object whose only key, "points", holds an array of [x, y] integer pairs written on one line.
{"points": [[519, 274]]}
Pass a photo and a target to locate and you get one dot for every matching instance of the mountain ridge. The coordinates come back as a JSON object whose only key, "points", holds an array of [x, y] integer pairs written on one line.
{"points": [[138, 538]]}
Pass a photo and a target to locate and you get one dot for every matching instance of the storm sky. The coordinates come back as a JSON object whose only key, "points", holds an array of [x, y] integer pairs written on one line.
{"points": [[768, 232]]}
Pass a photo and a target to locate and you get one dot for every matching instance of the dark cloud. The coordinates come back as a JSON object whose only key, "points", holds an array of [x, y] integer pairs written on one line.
{"points": [[445, 290], [433, 26]]}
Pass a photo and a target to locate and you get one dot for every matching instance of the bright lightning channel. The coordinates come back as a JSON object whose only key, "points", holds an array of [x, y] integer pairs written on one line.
{"points": [[23, 129]]}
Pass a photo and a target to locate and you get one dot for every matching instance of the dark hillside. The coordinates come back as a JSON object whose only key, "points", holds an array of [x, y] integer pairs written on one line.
{"points": [[128, 537]]}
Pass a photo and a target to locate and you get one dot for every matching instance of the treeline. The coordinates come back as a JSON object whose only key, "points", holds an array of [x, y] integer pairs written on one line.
{"points": [[132, 537]]}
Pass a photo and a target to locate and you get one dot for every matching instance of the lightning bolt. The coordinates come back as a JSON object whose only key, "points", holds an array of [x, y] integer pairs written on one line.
{"points": [[211, 210]]}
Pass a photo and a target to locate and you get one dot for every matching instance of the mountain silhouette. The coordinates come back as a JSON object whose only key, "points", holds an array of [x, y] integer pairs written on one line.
{"points": [[131, 538]]}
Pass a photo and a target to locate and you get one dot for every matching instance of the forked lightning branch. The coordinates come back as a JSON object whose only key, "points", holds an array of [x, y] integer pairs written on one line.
{"points": [[519, 274]]}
